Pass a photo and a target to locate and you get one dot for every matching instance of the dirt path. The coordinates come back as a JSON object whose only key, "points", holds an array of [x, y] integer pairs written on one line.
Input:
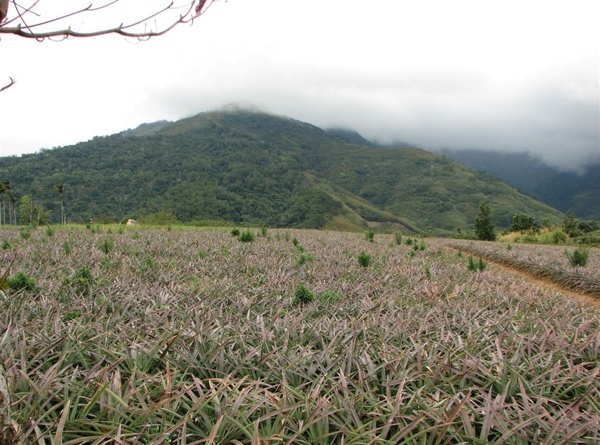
{"points": [[546, 282], [591, 299]]}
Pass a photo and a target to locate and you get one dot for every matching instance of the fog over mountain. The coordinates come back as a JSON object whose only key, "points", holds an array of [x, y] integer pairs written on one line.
{"points": [[563, 190], [497, 75]]}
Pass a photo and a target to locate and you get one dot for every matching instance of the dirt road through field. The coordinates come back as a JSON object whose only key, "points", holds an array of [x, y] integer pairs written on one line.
{"points": [[591, 299]]}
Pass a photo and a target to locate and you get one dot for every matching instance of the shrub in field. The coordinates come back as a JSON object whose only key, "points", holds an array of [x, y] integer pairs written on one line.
{"points": [[21, 281], [418, 246], [331, 296], [82, 279], [106, 245], [302, 295], [398, 238], [305, 258], [49, 231], [5, 245], [246, 236], [263, 231], [67, 248], [364, 259], [25, 233], [235, 232], [369, 235], [578, 258], [107, 261], [475, 266]]}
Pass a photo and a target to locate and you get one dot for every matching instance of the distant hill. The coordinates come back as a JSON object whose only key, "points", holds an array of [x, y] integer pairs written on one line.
{"points": [[564, 191], [254, 168]]}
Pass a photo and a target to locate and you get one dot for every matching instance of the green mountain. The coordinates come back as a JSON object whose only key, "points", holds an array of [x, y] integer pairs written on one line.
{"points": [[559, 189], [254, 168]]}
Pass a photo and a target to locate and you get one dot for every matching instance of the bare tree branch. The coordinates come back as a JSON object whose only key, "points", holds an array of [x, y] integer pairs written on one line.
{"points": [[5, 87], [24, 21], [3, 9]]}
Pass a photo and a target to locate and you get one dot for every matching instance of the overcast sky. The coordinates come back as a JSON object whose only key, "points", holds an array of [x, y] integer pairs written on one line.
{"points": [[514, 75]]}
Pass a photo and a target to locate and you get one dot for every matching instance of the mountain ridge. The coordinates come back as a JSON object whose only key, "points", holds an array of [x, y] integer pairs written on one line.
{"points": [[246, 167], [563, 190]]}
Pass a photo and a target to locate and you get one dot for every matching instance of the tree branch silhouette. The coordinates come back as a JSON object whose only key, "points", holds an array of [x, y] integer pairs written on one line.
{"points": [[28, 21]]}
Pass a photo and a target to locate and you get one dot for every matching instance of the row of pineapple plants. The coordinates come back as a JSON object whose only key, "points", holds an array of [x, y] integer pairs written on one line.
{"points": [[189, 337], [576, 268]]}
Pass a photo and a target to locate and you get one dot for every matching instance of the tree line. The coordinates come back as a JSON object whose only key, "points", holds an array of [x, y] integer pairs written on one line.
{"points": [[28, 211]]}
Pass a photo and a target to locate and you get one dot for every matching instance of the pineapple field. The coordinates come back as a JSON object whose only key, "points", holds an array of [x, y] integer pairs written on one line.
{"points": [[139, 335]]}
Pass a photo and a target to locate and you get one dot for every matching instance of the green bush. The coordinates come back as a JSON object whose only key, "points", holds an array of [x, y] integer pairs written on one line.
{"points": [[246, 237], [556, 236], [524, 223], [161, 218], [331, 296], [302, 295], [235, 232], [475, 266], [589, 238], [398, 238], [106, 245], [578, 258], [82, 279], [21, 281], [369, 235], [304, 258], [364, 259]]}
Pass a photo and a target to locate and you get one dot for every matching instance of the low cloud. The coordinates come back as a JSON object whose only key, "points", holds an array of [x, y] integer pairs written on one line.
{"points": [[555, 116]]}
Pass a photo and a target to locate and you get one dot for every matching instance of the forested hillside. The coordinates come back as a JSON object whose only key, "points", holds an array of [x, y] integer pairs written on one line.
{"points": [[254, 168], [576, 191]]}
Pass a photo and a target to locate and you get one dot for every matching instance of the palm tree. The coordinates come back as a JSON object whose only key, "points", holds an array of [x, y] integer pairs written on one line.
{"points": [[12, 203], [4, 190], [60, 189]]}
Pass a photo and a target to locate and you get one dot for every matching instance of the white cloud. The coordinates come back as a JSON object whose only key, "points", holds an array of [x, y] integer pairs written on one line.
{"points": [[508, 75]]}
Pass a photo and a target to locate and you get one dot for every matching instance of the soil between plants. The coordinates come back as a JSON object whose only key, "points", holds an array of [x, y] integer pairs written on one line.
{"points": [[591, 299]]}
